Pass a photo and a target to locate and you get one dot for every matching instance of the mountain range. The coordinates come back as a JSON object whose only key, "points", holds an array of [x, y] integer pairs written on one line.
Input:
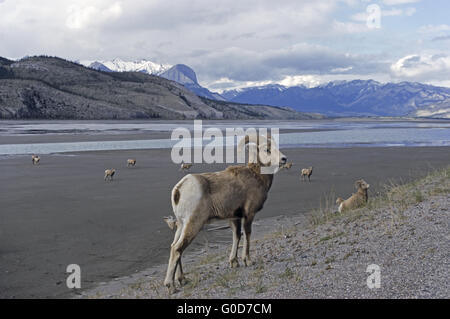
{"points": [[53, 88], [180, 73], [336, 99], [353, 98], [119, 65]]}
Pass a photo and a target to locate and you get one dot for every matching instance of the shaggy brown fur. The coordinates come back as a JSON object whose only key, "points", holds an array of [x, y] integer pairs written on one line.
{"points": [[356, 200], [236, 193], [307, 172]]}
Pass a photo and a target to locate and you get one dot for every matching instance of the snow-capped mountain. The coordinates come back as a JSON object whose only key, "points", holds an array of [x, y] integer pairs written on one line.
{"points": [[268, 89], [119, 65], [186, 76], [353, 98], [179, 73]]}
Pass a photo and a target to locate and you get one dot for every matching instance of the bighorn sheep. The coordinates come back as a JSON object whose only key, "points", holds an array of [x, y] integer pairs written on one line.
{"points": [[236, 193], [307, 172], [35, 159], [109, 173], [287, 166], [356, 200], [185, 167], [131, 162]]}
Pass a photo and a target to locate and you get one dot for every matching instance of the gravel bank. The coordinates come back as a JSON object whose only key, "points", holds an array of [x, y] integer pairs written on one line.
{"points": [[405, 232]]}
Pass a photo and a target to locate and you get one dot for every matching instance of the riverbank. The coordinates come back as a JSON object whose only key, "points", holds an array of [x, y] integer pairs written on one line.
{"points": [[404, 231], [62, 212]]}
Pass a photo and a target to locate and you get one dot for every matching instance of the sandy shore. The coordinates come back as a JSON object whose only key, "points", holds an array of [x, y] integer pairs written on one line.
{"points": [[62, 212]]}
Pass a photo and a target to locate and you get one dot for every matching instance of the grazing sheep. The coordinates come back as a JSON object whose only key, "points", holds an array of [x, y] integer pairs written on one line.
{"points": [[307, 172], [185, 167], [131, 162], [109, 173], [35, 159], [287, 166], [356, 200], [236, 193]]}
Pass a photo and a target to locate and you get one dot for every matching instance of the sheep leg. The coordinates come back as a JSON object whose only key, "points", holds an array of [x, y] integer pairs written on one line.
{"points": [[188, 233], [179, 276], [248, 231], [235, 225]]}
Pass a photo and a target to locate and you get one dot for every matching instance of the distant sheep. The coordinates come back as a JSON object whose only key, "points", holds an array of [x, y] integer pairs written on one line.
{"points": [[306, 172], [131, 162], [109, 173], [35, 159], [356, 200], [287, 166], [185, 167]]}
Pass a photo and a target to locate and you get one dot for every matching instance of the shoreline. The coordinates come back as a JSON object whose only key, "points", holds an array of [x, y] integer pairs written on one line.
{"points": [[284, 257], [61, 211]]}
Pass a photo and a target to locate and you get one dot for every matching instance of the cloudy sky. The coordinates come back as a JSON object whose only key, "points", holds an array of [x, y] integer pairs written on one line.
{"points": [[242, 43]]}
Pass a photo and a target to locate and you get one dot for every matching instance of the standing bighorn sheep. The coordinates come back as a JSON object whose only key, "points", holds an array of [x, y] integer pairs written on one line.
{"points": [[131, 162], [356, 200], [35, 159], [185, 167], [109, 173], [307, 172], [236, 194]]}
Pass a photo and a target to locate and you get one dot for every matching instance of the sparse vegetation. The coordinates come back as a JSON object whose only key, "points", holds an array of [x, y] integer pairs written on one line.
{"points": [[293, 262]]}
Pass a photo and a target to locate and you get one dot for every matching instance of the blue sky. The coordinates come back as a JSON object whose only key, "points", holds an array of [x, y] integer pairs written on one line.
{"points": [[242, 43]]}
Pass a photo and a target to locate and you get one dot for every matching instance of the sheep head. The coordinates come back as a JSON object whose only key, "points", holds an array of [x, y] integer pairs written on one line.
{"points": [[361, 184], [263, 151]]}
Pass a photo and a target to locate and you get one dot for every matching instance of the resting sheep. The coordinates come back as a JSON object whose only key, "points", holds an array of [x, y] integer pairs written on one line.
{"points": [[236, 194], [131, 162], [35, 159], [356, 200], [307, 172], [109, 173], [185, 167]]}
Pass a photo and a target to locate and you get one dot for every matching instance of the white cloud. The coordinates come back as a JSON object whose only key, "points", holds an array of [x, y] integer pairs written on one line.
{"points": [[81, 17], [350, 27], [419, 67], [430, 28], [394, 12], [296, 80], [246, 42], [410, 11], [397, 2]]}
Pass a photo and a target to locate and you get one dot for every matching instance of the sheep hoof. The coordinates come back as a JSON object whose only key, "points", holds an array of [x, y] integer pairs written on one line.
{"points": [[234, 263], [171, 289], [181, 280], [248, 262]]}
